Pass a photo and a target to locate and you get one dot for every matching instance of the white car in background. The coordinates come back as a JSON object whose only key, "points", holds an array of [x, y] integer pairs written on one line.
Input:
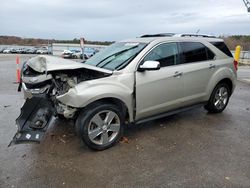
{"points": [[66, 54], [42, 51], [71, 54], [76, 53], [7, 51]]}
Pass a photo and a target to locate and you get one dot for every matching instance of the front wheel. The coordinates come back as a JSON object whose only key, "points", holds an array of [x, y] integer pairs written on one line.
{"points": [[218, 99], [100, 125]]}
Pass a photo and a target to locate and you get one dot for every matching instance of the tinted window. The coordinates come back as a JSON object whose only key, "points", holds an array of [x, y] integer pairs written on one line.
{"points": [[166, 54], [210, 54], [194, 52], [222, 47]]}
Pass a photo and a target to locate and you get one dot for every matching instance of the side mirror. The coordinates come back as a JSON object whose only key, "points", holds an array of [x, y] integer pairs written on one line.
{"points": [[149, 65]]}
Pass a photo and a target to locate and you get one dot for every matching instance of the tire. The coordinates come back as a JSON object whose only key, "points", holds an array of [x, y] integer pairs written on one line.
{"points": [[61, 117], [219, 98], [100, 125]]}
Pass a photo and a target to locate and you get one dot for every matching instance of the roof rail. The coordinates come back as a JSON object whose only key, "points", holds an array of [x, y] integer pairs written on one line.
{"points": [[176, 35], [194, 35], [158, 35]]}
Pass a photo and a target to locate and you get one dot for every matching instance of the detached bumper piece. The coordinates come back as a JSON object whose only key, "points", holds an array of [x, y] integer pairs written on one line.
{"points": [[34, 119]]}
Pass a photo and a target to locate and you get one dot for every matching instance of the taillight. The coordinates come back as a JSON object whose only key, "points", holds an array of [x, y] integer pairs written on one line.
{"points": [[236, 65]]}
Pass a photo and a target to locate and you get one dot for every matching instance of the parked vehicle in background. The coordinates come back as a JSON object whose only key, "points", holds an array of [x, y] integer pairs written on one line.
{"points": [[31, 51], [89, 52], [8, 51], [71, 54], [66, 54], [76, 53], [13, 51], [18, 50], [2, 49], [42, 51], [23, 51], [131, 81]]}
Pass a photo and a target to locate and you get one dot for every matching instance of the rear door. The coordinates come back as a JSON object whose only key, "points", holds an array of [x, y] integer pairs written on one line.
{"points": [[160, 90], [198, 62]]}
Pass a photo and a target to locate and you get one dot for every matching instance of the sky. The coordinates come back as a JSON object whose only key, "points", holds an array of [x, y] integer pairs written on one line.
{"points": [[112, 20]]}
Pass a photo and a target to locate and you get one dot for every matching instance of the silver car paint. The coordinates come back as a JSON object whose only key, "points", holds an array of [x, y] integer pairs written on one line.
{"points": [[118, 85], [45, 63], [156, 91]]}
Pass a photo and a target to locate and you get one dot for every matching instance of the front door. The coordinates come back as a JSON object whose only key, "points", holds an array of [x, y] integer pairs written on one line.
{"points": [[160, 90]]}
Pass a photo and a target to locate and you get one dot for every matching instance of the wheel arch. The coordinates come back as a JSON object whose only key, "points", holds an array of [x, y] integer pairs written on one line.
{"points": [[223, 74], [118, 102], [228, 82], [212, 85]]}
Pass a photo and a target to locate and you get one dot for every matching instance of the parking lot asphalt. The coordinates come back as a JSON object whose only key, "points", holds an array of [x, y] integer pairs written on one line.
{"points": [[244, 73], [190, 149]]}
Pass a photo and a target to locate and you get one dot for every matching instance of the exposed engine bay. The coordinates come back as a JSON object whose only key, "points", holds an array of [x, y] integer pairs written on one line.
{"points": [[41, 86], [56, 83]]}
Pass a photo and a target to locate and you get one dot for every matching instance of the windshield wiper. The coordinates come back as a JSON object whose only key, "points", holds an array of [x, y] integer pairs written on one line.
{"points": [[115, 54], [126, 62]]}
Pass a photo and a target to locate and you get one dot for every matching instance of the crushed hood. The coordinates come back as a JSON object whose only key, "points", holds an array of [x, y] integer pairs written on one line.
{"points": [[46, 63]]}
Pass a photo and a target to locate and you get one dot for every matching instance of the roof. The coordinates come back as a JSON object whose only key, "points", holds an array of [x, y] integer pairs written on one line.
{"points": [[139, 40], [173, 38]]}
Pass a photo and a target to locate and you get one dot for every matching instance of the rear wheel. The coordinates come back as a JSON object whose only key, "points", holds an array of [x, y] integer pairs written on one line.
{"points": [[218, 99], [100, 125]]}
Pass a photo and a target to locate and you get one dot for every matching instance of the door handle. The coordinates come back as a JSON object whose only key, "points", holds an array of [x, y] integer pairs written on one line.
{"points": [[211, 66], [178, 74]]}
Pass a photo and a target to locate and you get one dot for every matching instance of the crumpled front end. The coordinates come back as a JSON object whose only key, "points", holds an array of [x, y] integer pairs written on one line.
{"points": [[43, 80], [34, 119]]}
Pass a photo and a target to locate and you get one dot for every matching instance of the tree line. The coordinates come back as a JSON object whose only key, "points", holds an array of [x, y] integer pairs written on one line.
{"points": [[231, 41], [13, 40], [234, 40]]}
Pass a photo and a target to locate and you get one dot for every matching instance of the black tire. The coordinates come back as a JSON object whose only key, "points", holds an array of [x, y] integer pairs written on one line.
{"points": [[210, 106], [61, 117], [85, 121]]}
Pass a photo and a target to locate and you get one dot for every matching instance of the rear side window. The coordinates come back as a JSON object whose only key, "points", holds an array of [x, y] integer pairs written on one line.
{"points": [[195, 52], [222, 47]]}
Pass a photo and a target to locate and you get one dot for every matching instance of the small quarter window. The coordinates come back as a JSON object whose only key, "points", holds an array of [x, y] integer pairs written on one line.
{"points": [[222, 47]]}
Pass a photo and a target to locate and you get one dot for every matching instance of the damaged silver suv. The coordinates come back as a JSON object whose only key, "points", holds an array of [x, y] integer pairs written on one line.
{"points": [[131, 81]]}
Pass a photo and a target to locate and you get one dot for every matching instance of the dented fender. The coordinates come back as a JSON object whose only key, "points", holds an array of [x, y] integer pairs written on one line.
{"points": [[90, 91]]}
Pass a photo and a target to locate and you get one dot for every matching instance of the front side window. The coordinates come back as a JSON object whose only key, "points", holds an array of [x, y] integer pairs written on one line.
{"points": [[195, 52], [166, 54]]}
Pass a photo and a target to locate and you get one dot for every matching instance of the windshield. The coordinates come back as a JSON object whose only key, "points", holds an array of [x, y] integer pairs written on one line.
{"points": [[116, 56]]}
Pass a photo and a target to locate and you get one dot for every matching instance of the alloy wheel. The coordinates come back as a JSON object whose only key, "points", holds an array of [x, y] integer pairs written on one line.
{"points": [[221, 98], [104, 127]]}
